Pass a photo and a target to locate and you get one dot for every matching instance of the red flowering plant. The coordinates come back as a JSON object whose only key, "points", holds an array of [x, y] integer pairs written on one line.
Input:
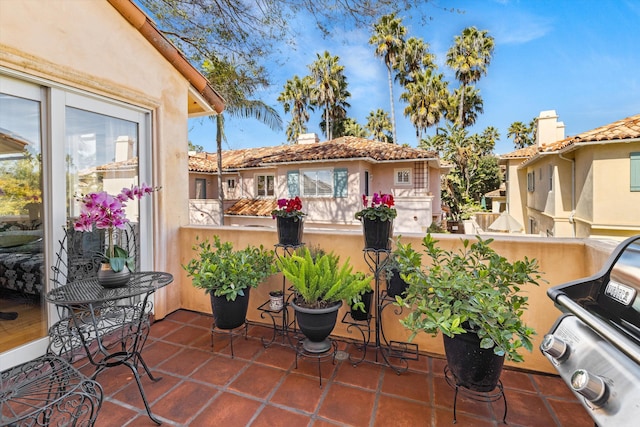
{"points": [[106, 212], [380, 209], [289, 208]]}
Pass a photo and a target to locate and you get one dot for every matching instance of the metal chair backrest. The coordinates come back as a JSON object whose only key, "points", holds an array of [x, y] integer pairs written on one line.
{"points": [[81, 253]]}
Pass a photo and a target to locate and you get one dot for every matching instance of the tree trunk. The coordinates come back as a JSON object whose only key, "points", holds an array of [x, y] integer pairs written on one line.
{"points": [[219, 132], [461, 106], [393, 113]]}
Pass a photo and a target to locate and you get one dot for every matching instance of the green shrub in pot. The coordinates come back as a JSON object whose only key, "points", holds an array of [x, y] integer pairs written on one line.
{"points": [[471, 290]]}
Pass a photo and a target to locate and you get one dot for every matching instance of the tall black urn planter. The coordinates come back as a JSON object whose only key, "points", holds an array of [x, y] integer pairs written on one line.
{"points": [[473, 367], [316, 324], [377, 234], [230, 314], [290, 230]]}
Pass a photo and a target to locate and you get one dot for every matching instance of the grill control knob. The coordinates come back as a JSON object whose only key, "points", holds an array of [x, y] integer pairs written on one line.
{"points": [[592, 387], [554, 347]]}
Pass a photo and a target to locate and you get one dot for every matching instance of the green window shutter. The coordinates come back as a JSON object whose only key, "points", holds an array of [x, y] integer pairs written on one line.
{"points": [[340, 182], [635, 171], [293, 183]]}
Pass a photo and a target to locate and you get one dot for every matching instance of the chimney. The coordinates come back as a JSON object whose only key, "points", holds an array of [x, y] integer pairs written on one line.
{"points": [[308, 138], [549, 128], [124, 148]]}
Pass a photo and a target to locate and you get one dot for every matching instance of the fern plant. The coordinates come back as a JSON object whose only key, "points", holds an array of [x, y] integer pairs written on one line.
{"points": [[320, 281]]}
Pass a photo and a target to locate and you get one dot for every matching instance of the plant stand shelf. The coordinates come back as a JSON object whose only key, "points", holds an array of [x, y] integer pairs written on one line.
{"points": [[240, 330], [364, 328], [377, 259], [330, 354], [490, 396], [281, 320]]}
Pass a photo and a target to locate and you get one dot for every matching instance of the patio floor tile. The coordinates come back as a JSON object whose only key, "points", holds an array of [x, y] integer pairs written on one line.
{"points": [[260, 386]]}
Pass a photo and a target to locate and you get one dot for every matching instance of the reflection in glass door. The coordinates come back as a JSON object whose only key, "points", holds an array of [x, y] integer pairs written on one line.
{"points": [[22, 279]]}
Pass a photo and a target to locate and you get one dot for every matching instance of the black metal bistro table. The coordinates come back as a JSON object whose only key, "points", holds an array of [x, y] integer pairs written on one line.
{"points": [[112, 324]]}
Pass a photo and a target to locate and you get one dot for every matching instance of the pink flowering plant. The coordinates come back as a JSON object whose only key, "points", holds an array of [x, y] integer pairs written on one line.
{"points": [[289, 208], [106, 212], [380, 209]]}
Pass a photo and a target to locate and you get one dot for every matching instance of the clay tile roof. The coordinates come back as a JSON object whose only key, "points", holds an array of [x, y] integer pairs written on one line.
{"points": [[628, 128], [347, 147], [521, 153], [252, 207]]}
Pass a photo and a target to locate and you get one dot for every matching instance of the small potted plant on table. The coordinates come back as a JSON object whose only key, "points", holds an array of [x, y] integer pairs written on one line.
{"points": [[320, 285], [473, 297], [107, 212], [228, 275]]}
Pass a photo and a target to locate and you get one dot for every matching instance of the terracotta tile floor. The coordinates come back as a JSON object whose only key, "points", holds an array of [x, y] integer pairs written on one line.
{"points": [[262, 387]]}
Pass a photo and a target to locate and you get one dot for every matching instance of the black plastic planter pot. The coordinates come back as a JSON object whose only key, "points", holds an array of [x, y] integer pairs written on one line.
{"points": [[316, 324], [290, 231], [473, 367], [395, 285], [360, 315], [377, 234], [230, 314]]}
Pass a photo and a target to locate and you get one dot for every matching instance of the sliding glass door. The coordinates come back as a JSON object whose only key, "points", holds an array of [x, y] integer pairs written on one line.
{"points": [[56, 144]]}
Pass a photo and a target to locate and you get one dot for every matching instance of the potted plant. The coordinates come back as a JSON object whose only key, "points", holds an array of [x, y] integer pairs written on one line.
{"points": [[104, 211], [276, 300], [473, 297], [290, 221], [396, 285], [377, 221], [361, 304], [228, 275], [320, 285]]}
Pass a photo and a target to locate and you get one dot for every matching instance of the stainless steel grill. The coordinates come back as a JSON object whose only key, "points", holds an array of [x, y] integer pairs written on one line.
{"points": [[595, 344]]}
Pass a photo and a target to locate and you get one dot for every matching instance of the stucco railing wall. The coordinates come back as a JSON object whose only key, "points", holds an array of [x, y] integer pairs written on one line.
{"points": [[561, 260]]}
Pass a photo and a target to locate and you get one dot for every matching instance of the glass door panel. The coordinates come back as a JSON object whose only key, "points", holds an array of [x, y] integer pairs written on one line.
{"points": [[22, 262]]}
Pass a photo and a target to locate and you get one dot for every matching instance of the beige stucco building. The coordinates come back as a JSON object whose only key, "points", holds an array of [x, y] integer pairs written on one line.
{"points": [[586, 185]]}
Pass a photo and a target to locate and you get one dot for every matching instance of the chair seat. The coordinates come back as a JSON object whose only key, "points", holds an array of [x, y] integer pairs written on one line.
{"points": [[74, 336]]}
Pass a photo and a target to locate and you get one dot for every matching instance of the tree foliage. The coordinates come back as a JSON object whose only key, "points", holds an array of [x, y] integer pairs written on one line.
{"points": [[523, 135]]}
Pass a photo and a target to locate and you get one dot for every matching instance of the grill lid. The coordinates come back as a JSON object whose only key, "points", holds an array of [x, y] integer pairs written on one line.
{"points": [[613, 294]]}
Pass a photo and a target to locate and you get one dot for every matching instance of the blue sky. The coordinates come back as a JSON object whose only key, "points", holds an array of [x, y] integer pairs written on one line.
{"points": [[578, 57]]}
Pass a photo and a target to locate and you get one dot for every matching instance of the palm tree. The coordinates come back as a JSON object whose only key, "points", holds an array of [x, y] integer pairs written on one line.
{"points": [[329, 86], [353, 128], [388, 39], [473, 105], [469, 57], [378, 123], [338, 111], [522, 134], [296, 97], [426, 97], [232, 84], [414, 57]]}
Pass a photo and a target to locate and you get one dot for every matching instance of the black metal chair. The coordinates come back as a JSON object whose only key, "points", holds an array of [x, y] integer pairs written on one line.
{"points": [[79, 257], [48, 391]]}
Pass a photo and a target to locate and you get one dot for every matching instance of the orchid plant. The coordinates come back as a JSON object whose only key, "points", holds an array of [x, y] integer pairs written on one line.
{"points": [[106, 212], [380, 209], [289, 208]]}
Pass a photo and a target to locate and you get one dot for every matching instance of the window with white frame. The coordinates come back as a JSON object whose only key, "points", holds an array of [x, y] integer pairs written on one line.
{"points": [[317, 182], [265, 185], [402, 176], [231, 183]]}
